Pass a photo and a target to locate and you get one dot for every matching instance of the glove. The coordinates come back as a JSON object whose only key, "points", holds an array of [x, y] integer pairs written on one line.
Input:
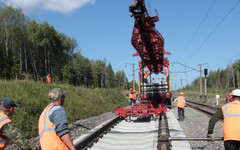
{"points": [[211, 136]]}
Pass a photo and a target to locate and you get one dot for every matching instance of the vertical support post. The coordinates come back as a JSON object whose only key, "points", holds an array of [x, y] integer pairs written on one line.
{"points": [[205, 74], [142, 74], [181, 85], [169, 80], [200, 80], [133, 78]]}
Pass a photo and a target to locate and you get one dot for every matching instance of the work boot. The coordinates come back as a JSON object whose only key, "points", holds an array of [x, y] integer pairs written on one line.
{"points": [[179, 118]]}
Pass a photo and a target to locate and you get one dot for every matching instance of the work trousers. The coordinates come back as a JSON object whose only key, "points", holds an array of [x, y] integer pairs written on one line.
{"points": [[145, 80], [131, 101], [232, 145], [180, 113], [134, 101]]}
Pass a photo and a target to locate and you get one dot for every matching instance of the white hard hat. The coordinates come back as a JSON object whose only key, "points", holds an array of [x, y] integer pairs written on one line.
{"points": [[236, 92]]}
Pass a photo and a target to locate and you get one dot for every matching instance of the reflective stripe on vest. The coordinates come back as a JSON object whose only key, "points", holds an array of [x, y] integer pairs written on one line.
{"points": [[3, 120], [231, 113], [45, 128], [180, 102]]}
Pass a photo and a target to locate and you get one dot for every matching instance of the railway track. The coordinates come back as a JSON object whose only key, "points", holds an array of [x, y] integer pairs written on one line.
{"points": [[206, 109], [145, 133], [121, 135]]}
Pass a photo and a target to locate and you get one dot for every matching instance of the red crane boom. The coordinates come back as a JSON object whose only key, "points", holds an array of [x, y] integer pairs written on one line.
{"points": [[148, 42]]}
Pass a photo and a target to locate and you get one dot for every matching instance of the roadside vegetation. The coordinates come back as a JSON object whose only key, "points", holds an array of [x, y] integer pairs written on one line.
{"points": [[194, 95], [32, 97]]}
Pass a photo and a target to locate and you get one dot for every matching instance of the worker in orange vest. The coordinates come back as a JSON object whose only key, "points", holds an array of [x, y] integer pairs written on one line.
{"points": [[146, 74], [180, 105], [8, 131], [135, 94], [230, 113], [48, 78], [130, 96], [52, 125]]}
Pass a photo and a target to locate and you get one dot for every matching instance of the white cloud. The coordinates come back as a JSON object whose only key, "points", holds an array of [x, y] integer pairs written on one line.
{"points": [[62, 6]]}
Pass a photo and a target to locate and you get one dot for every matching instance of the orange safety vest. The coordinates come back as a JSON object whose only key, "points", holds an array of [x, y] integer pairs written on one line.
{"points": [[231, 114], [134, 96], [180, 102], [3, 120], [145, 75], [47, 134], [48, 79], [130, 95]]}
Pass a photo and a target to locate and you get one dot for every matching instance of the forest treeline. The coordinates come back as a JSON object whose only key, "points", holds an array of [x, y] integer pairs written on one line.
{"points": [[228, 78], [33, 50]]}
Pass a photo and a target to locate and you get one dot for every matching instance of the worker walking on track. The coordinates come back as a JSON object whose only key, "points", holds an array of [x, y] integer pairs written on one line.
{"points": [[230, 113], [180, 105], [135, 95], [130, 96], [8, 131], [53, 126]]}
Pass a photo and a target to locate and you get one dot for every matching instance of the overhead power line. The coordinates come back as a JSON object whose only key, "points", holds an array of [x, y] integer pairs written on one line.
{"points": [[13, 4], [194, 34], [185, 66], [214, 29]]}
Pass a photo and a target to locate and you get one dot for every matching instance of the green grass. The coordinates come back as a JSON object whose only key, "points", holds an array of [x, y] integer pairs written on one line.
{"points": [[194, 95], [32, 97]]}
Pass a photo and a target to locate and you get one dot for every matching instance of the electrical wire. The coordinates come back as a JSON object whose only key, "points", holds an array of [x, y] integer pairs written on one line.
{"points": [[214, 30], [196, 31], [13, 4]]}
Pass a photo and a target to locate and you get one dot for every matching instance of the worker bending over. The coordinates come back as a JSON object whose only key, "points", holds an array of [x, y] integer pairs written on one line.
{"points": [[230, 113]]}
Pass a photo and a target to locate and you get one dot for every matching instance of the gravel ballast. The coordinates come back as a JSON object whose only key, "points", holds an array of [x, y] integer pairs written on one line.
{"points": [[195, 124]]}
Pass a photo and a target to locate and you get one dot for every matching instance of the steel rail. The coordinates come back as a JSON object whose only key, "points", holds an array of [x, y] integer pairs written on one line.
{"points": [[90, 139], [163, 135], [191, 139], [209, 110]]}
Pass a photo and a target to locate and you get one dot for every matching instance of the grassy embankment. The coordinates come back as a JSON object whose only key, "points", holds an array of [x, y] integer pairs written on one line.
{"points": [[194, 95], [32, 97]]}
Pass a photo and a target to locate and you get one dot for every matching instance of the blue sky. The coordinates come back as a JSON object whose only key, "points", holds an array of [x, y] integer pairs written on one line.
{"points": [[195, 31]]}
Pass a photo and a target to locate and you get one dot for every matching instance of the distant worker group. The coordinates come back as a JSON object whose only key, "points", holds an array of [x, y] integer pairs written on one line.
{"points": [[132, 95]]}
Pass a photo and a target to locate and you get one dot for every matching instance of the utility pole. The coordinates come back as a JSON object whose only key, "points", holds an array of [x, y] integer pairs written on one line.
{"points": [[200, 80], [181, 85], [133, 78], [205, 74]]}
